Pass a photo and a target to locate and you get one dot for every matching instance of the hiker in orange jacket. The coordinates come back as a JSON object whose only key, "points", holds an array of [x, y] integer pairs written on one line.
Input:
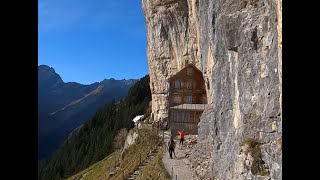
{"points": [[181, 135]]}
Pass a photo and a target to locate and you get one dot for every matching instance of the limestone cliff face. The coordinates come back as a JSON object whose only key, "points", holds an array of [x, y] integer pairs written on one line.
{"points": [[172, 43], [237, 45]]}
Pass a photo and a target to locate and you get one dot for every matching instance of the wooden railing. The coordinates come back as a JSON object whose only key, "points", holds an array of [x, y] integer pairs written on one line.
{"points": [[191, 106], [178, 91]]}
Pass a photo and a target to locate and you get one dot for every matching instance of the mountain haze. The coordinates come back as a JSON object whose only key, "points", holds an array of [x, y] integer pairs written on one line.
{"points": [[64, 106]]}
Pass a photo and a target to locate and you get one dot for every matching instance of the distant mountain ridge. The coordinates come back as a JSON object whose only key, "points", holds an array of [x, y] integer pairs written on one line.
{"points": [[96, 138], [64, 106]]}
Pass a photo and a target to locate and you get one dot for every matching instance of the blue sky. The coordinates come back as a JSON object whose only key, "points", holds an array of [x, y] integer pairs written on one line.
{"points": [[87, 41]]}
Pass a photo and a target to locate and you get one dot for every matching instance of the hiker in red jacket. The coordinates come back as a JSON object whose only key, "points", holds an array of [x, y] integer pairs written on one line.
{"points": [[181, 135]]}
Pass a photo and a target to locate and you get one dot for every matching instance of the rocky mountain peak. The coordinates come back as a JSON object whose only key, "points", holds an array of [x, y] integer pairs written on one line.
{"points": [[47, 75]]}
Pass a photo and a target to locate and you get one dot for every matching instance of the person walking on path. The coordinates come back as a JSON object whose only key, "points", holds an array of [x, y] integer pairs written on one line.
{"points": [[161, 123], [171, 146], [181, 135]]}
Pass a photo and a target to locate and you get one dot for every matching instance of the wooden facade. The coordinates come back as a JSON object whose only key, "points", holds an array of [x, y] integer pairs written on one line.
{"points": [[186, 87], [186, 119]]}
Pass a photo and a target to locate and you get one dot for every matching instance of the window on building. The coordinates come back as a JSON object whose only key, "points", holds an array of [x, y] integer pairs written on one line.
{"points": [[178, 118], [177, 99], [191, 116], [189, 99], [186, 116], [173, 116], [189, 85], [190, 71], [177, 84]]}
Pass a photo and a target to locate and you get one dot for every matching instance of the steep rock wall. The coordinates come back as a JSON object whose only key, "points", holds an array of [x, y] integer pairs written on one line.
{"points": [[172, 43], [237, 44]]}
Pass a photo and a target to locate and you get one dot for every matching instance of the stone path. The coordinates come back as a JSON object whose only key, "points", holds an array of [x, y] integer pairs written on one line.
{"points": [[179, 167]]}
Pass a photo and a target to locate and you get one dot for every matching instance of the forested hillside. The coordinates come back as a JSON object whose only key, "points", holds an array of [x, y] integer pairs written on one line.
{"points": [[94, 140]]}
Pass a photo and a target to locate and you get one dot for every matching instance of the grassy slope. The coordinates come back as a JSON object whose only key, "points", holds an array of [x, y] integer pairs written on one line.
{"points": [[96, 170], [155, 169], [147, 140]]}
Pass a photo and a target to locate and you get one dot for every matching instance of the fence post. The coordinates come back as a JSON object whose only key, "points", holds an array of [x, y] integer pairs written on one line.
{"points": [[163, 135], [172, 172], [176, 177], [140, 157]]}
